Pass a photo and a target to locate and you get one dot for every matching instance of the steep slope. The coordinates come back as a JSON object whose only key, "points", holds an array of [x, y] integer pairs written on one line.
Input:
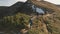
{"points": [[52, 21], [45, 24], [45, 4], [21, 7], [3, 10], [17, 7]]}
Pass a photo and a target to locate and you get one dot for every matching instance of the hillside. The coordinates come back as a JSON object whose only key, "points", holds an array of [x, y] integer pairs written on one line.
{"points": [[52, 20], [45, 4], [17, 7], [16, 18]]}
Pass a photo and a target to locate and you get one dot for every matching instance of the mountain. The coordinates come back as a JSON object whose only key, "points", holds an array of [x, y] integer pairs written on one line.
{"points": [[22, 7], [45, 4], [17, 4], [3, 10], [17, 7], [18, 15], [52, 20]]}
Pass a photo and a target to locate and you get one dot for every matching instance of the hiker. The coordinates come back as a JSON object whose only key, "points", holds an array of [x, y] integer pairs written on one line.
{"points": [[31, 22], [37, 14]]}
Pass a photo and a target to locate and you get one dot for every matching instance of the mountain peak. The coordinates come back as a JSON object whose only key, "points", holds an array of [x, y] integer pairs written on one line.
{"points": [[18, 3]]}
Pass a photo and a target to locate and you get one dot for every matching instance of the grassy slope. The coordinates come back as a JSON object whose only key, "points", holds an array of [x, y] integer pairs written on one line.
{"points": [[15, 22]]}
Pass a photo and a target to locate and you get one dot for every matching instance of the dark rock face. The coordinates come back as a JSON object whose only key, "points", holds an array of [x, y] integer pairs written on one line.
{"points": [[4, 11], [26, 8], [17, 7]]}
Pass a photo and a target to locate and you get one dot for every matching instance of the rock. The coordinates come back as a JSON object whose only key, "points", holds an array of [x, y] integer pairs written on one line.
{"points": [[24, 31]]}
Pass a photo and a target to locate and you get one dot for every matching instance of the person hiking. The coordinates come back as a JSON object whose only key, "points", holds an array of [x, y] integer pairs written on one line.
{"points": [[31, 22], [37, 14]]}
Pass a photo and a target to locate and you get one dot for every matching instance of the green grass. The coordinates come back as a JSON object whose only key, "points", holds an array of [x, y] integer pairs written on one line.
{"points": [[15, 21]]}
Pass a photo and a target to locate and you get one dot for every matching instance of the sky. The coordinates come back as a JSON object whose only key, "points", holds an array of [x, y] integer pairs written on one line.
{"points": [[11, 2], [54, 1]]}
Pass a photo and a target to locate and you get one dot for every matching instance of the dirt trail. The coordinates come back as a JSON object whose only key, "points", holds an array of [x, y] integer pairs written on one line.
{"points": [[40, 26]]}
